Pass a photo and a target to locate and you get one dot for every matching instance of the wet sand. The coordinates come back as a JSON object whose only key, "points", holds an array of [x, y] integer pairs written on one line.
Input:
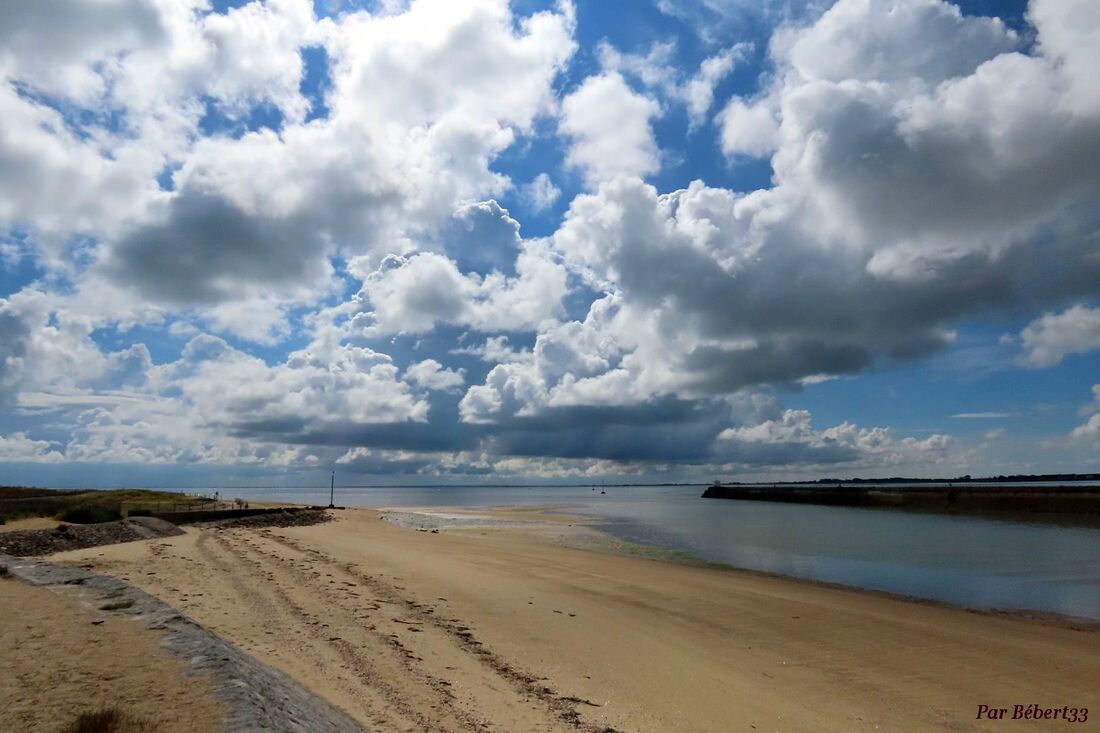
{"points": [[504, 629]]}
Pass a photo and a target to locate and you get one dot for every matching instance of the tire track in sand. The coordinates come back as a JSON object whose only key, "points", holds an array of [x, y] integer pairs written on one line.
{"points": [[277, 623], [562, 708], [375, 661]]}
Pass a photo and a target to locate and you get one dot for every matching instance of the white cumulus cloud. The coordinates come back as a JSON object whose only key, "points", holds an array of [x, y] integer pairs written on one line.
{"points": [[1049, 339], [609, 128]]}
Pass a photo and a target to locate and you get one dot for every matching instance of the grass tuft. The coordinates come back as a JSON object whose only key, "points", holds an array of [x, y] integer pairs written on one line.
{"points": [[105, 720]]}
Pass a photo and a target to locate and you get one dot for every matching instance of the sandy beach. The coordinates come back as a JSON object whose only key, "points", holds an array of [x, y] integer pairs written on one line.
{"points": [[62, 658], [505, 629]]}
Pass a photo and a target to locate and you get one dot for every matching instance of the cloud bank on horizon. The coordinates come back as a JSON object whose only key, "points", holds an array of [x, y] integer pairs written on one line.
{"points": [[482, 240]]}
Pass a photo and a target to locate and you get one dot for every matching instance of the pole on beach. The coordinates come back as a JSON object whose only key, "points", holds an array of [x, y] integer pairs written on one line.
{"points": [[332, 492]]}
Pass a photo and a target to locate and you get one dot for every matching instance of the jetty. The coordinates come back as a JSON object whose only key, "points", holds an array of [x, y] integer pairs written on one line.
{"points": [[1076, 504]]}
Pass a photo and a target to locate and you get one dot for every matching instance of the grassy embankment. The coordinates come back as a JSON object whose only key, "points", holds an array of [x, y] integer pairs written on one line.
{"points": [[87, 507]]}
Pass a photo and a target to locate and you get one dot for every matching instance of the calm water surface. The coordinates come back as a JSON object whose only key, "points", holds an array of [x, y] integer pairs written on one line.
{"points": [[970, 562]]}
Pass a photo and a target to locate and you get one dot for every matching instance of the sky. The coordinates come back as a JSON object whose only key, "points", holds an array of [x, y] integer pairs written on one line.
{"points": [[442, 241]]}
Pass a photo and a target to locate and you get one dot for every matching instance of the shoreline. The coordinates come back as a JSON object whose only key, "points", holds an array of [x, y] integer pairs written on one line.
{"points": [[614, 545], [408, 630], [522, 516]]}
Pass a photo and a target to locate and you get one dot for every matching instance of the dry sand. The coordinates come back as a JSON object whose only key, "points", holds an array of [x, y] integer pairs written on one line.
{"points": [[60, 659], [498, 630]]}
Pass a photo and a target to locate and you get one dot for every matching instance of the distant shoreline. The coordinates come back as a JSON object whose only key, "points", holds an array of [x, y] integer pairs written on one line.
{"points": [[1047, 478]]}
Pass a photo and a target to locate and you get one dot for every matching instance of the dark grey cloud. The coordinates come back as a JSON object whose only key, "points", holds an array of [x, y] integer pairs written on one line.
{"points": [[809, 314], [440, 432], [434, 435], [481, 237], [663, 430], [667, 429], [209, 250], [715, 369], [14, 335], [73, 30]]}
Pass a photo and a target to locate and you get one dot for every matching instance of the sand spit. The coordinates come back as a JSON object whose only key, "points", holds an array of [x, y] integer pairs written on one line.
{"points": [[254, 696], [495, 629]]}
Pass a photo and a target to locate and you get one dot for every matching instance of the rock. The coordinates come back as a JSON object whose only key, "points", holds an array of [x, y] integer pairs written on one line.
{"points": [[30, 542], [289, 518]]}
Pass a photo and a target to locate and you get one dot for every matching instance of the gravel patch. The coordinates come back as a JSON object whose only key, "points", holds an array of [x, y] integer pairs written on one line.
{"points": [[292, 518], [258, 697]]}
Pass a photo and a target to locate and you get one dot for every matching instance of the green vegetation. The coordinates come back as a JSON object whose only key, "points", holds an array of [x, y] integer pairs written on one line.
{"points": [[90, 514], [88, 507]]}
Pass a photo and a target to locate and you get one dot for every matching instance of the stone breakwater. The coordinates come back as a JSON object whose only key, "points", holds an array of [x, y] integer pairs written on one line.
{"points": [[1079, 503], [34, 542], [64, 537], [283, 518], [257, 696]]}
